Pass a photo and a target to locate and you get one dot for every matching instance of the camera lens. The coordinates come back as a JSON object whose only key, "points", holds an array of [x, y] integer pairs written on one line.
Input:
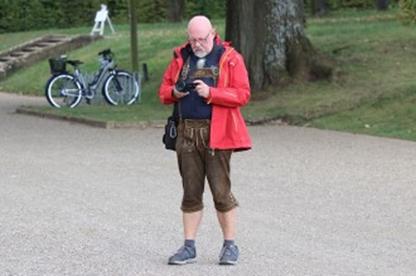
{"points": [[180, 86]]}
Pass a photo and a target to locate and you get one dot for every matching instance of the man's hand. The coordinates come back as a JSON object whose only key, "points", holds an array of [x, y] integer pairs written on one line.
{"points": [[177, 94], [202, 88]]}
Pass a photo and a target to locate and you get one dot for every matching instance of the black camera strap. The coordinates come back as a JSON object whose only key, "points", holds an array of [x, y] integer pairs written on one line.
{"points": [[184, 75]]}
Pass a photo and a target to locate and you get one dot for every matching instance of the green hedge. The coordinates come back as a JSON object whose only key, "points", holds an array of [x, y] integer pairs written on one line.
{"points": [[341, 4], [23, 15], [351, 3]]}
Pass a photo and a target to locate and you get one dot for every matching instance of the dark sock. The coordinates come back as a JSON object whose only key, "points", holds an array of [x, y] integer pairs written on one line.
{"points": [[190, 243], [228, 242]]}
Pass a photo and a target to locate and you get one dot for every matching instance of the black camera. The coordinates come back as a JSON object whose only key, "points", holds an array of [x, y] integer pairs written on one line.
{"points": [[184, 86]]}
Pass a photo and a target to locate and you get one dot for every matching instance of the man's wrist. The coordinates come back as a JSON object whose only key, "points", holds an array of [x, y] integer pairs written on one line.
{"points": [[173, 93], [209, 97]]}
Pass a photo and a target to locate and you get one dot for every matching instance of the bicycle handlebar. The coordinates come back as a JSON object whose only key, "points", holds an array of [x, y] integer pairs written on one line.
{"points": [[106, 52]]}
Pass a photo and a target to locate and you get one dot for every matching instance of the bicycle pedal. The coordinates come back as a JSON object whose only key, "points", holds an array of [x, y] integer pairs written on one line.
{"points": [[88, 101]]}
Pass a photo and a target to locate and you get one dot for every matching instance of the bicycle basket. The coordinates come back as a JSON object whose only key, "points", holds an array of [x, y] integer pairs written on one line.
{"points": [[57, 65]]}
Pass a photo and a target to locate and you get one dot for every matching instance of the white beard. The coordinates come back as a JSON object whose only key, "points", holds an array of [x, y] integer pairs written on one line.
{"points": [[200, 54]]}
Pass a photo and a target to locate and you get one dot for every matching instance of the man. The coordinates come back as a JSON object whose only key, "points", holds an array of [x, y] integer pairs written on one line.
{"points": [[208, 81]]}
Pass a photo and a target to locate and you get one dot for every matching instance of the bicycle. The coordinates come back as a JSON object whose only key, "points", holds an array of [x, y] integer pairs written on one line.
{"points": [[66, 89]]}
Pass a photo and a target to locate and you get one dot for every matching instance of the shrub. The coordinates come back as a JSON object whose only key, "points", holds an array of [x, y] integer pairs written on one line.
{"points": [[407, 11]]}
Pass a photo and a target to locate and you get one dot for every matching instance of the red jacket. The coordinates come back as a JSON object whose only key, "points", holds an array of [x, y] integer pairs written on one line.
{"points": [[228, 129]]}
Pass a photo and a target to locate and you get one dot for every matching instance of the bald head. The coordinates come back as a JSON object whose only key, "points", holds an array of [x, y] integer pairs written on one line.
{"points": [[199, 23], [201, 35]]}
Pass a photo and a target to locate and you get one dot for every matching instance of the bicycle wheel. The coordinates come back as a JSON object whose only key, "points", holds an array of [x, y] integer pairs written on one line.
{"points": [[121, 88], [63, 90]]}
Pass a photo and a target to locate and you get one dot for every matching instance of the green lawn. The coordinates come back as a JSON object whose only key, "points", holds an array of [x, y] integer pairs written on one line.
{"points": [[373, 90]]}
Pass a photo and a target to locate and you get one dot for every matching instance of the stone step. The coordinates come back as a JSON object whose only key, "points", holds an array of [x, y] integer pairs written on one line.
{"points": [[16, 54], [38, 49], [28, 49]]}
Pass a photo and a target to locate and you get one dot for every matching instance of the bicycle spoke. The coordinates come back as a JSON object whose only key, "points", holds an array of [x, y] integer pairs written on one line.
{"points": [[121, 89], [62, 90]]}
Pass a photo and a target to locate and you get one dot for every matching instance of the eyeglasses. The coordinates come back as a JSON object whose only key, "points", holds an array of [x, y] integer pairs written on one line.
{"points": [[199, 40]]}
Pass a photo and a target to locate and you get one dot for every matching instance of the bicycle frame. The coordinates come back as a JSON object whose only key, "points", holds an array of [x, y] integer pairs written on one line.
{"points": [[89, 89]]}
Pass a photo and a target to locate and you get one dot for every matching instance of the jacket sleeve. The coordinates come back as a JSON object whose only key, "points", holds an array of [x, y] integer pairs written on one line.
{"points": [[236, 92], [168, 82]]}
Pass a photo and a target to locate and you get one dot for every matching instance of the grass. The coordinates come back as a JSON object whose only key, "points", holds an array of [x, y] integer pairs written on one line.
{"points": [[376, 68], [390, 118], [372, 92]]}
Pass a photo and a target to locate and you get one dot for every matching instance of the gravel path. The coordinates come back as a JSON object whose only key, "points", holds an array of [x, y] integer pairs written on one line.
{"points": [[78, 200]]}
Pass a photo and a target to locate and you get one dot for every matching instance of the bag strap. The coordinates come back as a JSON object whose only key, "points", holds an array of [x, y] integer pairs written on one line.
{"points": [[185, 68]]}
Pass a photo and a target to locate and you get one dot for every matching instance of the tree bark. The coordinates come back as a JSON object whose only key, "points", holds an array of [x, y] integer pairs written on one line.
{"points": [[270, 35], [176, 10]]}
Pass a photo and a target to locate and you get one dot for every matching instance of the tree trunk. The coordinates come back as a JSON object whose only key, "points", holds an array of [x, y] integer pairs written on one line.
{"points": [[318, 7], [382, 5], [176, 10], [270, 35]]}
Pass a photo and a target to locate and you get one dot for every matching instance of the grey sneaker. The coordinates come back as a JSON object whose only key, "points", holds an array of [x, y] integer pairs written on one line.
{"points": [[185, 255], [229, 255]]}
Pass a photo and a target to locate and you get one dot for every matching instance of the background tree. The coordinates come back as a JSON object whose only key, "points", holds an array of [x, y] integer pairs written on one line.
{"points": [[270, 35], [318, 7], [151, 10], [176, 9], [382, 5], [74, 13], [118, 9]]}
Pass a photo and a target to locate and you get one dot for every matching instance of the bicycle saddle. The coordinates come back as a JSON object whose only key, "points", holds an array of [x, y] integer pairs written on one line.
{"points": [[74, 62]]}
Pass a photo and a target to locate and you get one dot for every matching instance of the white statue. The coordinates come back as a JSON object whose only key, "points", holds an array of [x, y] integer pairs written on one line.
{"points": [[100, 18]]}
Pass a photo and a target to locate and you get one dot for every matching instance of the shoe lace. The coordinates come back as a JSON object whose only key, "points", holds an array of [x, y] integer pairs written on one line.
{"points": [[184, 250], [228, 250]]}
